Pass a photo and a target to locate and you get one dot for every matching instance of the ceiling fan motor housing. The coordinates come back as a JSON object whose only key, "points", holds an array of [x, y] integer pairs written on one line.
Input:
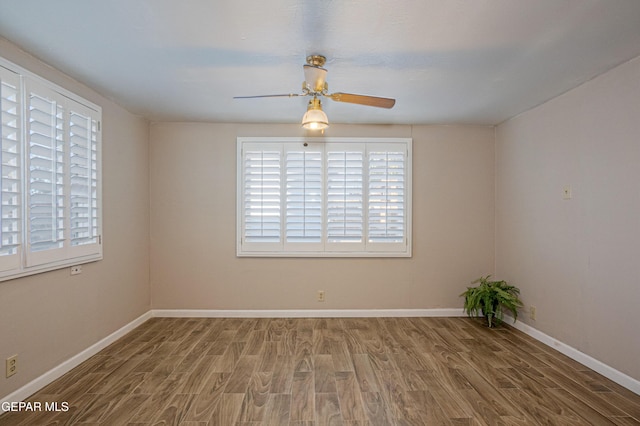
{"points": [[314, 78]]}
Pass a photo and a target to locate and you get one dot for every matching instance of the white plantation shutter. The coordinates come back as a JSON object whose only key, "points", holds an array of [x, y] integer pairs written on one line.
{"points": [[304, 187], [10, 165], [62, 178], [345, 196], [261, 168], [83, 181], [386, 210], [46, 176], [341, 197]]}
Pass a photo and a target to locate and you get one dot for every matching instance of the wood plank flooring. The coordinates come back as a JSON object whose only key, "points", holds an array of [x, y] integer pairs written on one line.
{"points": [[330, 371]]}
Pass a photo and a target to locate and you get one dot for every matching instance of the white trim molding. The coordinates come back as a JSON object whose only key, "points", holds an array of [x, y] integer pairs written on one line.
{"points": [[307, 313], [598, 366], [40, 382]]}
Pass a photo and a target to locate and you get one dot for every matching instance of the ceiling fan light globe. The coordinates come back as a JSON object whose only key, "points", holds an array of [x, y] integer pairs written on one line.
{"points": [[315, 119]]}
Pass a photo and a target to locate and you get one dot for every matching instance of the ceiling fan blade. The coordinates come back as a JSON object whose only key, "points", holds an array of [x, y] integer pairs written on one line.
{"points": [[284, 95], [363, 100]]}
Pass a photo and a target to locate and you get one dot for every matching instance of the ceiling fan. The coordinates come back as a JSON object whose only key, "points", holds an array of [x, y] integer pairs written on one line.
{"points": [[315, 85]]}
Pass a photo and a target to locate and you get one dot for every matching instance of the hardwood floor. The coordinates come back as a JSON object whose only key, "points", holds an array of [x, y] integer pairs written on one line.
{"points": [[328, 371]]}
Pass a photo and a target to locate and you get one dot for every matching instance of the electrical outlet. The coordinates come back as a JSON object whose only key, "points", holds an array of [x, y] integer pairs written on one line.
{"points": [[77, 269], [532, 312], [320, 295], [12, 365]]}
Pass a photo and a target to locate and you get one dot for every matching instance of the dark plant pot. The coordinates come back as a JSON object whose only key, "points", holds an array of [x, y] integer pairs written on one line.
{"points": [[492, 323]]}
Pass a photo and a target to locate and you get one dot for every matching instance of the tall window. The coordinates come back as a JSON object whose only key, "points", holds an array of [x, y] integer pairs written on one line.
{"points": [[337, 197], [50, 162]]}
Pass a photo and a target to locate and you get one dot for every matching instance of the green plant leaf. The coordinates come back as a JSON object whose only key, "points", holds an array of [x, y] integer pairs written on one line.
{"points": [[491, 298]]}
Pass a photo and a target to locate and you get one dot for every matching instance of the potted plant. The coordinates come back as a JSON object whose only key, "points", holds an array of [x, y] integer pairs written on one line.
{"points": [[490, 298]]}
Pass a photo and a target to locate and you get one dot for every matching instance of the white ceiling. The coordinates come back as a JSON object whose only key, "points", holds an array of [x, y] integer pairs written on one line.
{"points": [[445, 61]]}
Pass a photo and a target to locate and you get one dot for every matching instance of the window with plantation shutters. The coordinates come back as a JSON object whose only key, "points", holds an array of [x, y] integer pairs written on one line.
{"points": [[50, 159], [330, 198]]}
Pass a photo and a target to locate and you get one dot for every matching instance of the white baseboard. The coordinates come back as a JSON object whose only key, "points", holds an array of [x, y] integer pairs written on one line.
{"points": [[306, 313], [40, 382], [609, 372]]}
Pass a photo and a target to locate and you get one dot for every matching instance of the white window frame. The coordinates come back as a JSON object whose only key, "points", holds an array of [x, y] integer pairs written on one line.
{"points": [[323, 248], [78, 177]]}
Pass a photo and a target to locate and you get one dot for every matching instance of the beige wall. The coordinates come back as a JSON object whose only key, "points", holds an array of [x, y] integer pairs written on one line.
{"points": [[48, 318], [576, 260], [193, 225]]}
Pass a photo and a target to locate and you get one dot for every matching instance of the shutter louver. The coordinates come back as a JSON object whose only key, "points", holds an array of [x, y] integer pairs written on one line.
{"points": [[262, 201], [345, 196], [46, 174], [304, 196], [386, 197], [10, 164]]}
